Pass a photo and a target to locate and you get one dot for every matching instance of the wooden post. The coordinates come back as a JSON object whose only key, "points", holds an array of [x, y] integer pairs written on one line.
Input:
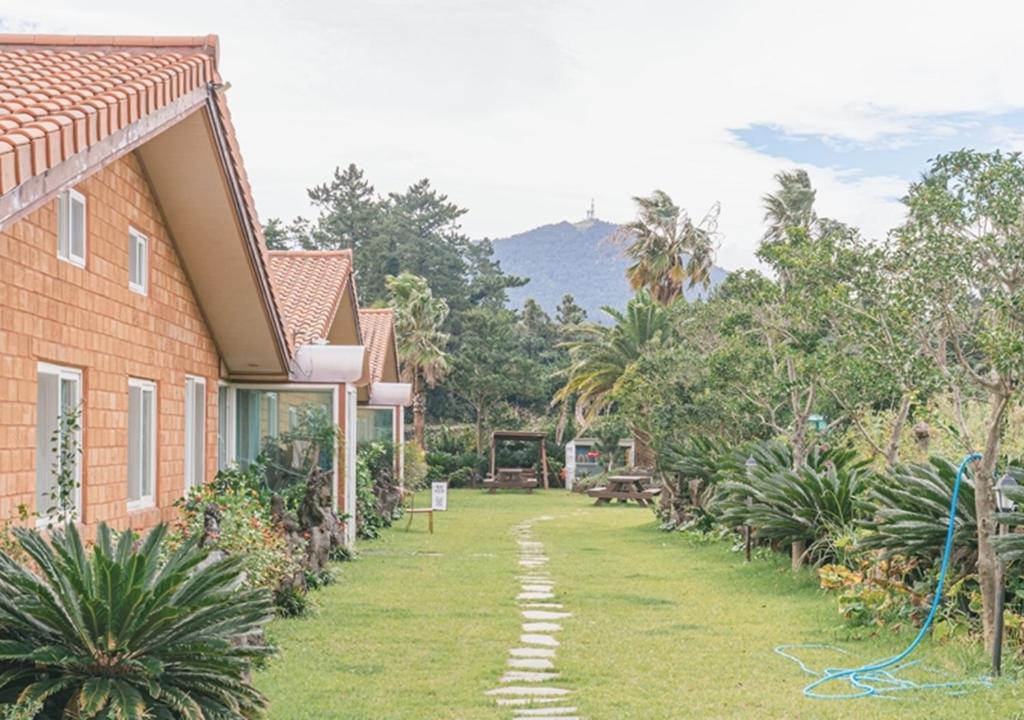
{"points": [[544, 461], [494, 457], [798, 550]]}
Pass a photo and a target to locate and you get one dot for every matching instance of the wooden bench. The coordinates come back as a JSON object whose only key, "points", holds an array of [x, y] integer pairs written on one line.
{"points": [[512, 479], [624, 488], [412, 510]]}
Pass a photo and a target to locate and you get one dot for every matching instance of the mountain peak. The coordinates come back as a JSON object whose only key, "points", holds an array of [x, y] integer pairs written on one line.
{"points": [[571, 257]]}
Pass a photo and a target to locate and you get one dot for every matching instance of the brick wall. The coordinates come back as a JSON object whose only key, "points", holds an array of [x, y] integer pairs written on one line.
{"points": [[87, 318]]}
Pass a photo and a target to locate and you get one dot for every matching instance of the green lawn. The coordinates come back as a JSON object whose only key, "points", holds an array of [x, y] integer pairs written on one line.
{"points": [[420, 626]]}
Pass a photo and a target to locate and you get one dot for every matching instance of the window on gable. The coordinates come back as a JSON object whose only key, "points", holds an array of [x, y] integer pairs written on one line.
{"points": [[138, 261], [141, 443], [195, 431], [71, 227]]}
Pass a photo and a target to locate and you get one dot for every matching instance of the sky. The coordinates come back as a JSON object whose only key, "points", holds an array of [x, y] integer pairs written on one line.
{"points": [[523, 111]]}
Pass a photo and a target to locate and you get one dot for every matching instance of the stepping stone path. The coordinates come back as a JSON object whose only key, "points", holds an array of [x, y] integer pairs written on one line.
{"points": [[526, 687]]}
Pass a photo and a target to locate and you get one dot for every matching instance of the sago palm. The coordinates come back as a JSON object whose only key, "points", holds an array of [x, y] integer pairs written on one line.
{"points": [[419, 317], [127, 630], [666, 249]]}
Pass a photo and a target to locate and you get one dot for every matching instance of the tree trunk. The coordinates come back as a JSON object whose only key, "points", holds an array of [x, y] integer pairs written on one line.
{"points": [[643, 453], [480, 419], [419, 411], [892, 449], [984, 505]]}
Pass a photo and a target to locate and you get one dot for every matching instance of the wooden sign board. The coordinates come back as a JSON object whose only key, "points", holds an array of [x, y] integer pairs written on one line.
{"points": [[439, 496]]}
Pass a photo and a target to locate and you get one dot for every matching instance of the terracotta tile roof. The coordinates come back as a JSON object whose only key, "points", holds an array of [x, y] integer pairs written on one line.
{"points": [[378, 326], [61, 94], [308, 287]]}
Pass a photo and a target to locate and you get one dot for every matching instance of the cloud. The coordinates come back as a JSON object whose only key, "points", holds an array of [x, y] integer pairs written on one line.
{"points": [[523, 111]]}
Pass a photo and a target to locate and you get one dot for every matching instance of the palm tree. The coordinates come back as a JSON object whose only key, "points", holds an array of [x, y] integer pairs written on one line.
{"points": [[421, 342], [791, 206], [127, 629], [667, 249], [602, 355]]}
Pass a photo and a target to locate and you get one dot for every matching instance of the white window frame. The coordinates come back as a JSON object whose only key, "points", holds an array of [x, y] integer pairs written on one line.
{"points": [[229, 440], [63, 373], [141, 242], [147, 501], [64, 203], [191, 480]]}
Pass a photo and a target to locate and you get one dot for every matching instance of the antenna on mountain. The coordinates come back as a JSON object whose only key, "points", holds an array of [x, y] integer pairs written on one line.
{"points": [[590, 212]]}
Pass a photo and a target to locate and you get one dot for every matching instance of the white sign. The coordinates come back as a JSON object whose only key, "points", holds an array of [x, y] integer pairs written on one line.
{"points": [[439, 496]]}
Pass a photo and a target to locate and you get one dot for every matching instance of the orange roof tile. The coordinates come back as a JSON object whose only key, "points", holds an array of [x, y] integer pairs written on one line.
{"points": [[61, 94], [378, 326], [308, 287]]}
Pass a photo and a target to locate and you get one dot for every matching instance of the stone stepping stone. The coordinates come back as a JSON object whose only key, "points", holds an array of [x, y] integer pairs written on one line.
{"points": [[545, 615], [532, 639], [541, 627], [531, 701], [531, 664], [538, 587], [527, 676], [535, 596], [528, 691], [531, 652], [553, 606], [544, 712]]}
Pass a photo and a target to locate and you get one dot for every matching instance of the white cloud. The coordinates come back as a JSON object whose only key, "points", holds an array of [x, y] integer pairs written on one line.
{"points": [[523, 111]]}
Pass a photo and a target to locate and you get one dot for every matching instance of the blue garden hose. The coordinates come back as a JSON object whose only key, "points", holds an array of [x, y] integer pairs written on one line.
{"points": [[879, 678]]}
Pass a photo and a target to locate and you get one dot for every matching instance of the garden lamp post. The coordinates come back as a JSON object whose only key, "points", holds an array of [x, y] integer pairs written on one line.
{"points": [[1003, 504], [750, 464]]}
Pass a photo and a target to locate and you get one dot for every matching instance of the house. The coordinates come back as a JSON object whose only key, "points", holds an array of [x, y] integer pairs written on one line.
{"points": [[382, 396], [135, 285]]}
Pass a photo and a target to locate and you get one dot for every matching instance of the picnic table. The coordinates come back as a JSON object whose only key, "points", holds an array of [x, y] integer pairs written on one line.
{"points": [[625, 488], [512, 479]]}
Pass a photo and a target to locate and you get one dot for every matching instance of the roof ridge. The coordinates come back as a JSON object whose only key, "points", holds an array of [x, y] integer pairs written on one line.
{"points": [[200, 41], [313, 253]]}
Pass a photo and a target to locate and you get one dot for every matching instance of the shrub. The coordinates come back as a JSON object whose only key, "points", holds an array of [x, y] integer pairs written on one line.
{"points": [[813, 506], [245, 530], [369, 518], [906, 513], [690, 468], [128, 629], [461, 477], [416, 468]]}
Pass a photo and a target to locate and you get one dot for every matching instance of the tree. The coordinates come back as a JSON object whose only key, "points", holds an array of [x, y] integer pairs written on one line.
{"points": [[569, 313], [490, 366], [349, 212], [602, 357], [790, 206], [964, 273], [419, 317], [666, 249]]}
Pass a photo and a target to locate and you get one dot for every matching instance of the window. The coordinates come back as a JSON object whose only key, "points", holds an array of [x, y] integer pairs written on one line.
{"points": [[269, 413], [141, 443], [375, 425], [59, 394], [138, 261], [71, 227], [195, 431]]}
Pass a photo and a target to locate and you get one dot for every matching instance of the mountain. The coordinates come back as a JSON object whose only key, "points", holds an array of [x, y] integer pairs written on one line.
{"points": [[577, 258]]}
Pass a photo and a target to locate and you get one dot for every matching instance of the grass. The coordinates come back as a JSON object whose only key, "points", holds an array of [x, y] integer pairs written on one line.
{"points": [[663, 627]]}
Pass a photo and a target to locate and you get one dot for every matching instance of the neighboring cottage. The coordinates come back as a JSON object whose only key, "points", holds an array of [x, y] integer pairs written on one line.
{"points": [[136, 283]]}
